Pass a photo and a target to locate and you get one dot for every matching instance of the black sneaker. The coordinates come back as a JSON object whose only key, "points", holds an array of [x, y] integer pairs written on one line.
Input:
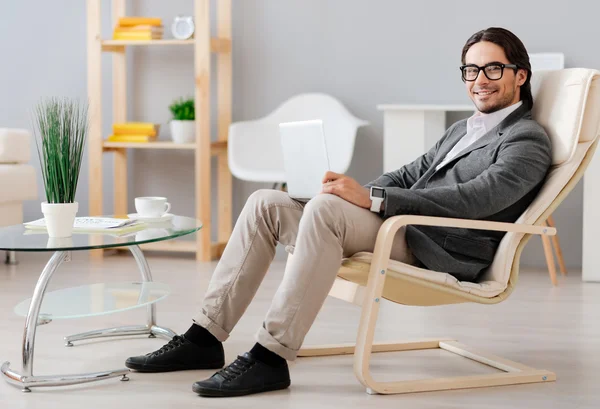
{"points": [[244, 376], [179, 354]]}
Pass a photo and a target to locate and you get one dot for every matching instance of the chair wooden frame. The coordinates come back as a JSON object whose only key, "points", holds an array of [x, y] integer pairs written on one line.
{"points": [[549, 244], [369, 297]]}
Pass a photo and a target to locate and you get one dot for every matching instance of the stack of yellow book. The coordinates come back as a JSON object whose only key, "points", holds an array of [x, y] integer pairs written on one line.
{"points": [[134, 132], [138, 28]]}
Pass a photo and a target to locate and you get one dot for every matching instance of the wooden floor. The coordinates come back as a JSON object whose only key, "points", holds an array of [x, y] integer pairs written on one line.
{"points": [[544, 327]]}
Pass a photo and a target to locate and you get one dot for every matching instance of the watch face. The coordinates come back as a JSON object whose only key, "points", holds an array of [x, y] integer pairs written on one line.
{"points": [[377, 192]]}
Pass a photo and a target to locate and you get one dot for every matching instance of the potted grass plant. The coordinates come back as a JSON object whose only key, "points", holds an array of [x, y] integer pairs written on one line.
{"points": [[183, 124], [62, 128]]}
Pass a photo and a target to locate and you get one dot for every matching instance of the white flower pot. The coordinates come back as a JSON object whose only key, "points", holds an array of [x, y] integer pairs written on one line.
{"points": [[59, 242], [183, 131], [59, 218]]}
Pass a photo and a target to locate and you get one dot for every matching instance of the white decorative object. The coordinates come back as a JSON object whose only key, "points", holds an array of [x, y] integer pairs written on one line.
{"points": [[183, 27], [59, 218], [183, 131]]}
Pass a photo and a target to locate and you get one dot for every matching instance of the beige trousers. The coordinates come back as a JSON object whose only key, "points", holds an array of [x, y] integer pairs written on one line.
{"points": [[319, 233]]}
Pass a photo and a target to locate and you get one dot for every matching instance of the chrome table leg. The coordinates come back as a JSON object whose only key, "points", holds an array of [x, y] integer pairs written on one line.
{"points": [[150, 329], [26, 379]]}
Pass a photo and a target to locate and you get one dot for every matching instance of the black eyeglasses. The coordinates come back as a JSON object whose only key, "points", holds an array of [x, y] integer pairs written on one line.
{"points": [[493, 71]]}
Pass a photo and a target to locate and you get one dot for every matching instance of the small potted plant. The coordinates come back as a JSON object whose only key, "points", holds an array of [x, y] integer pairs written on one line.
{"points": [[183, 124], [62, 128]]}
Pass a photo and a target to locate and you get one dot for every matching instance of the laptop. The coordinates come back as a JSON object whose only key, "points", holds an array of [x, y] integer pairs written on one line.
{"points": [[305, 159]]}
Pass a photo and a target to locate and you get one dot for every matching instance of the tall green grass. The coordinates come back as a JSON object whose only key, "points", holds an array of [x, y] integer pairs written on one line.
{"points": [[62, 128]]}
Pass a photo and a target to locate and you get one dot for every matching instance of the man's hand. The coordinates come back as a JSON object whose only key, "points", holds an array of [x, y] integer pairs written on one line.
{"points": [[346, 188]]}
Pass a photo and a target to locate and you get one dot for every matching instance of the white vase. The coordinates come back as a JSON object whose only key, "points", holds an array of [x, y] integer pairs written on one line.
{"points": [[183, 131], [59, 218]]}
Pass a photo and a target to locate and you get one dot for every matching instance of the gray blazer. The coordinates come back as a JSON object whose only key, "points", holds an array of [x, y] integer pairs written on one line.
{"points": [[495, 178]]}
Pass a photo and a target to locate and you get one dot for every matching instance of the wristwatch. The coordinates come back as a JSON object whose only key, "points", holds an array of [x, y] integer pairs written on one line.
{"points": [[377, 197]]}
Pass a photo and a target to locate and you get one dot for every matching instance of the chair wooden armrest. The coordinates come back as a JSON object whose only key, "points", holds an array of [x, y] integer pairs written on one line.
{"points": [[387, 232], [391, 225]]}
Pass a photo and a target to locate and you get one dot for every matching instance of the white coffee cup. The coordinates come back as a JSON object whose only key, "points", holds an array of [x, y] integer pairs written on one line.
{"points": [[152, 206]]}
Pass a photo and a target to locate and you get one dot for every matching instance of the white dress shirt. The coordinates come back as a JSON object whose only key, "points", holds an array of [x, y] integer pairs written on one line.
{"points": [[477, 126]]}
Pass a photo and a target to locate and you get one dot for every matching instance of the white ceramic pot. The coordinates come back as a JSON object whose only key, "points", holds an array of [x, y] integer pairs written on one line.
{"points": [[183, 131], [59, 218], [59, 242]]}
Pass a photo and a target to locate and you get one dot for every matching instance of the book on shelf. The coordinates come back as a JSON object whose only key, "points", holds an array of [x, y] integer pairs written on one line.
{"points": [[141, 36], [94, 224], [140, 29], [135, 128], [137, 21], [131, 138]]}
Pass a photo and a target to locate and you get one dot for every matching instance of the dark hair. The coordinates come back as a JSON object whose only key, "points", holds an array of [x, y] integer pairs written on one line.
{"points": [[513, 48]]}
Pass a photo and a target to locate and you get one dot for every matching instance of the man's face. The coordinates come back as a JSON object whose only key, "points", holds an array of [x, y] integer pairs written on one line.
{"points": [[492, 95]]}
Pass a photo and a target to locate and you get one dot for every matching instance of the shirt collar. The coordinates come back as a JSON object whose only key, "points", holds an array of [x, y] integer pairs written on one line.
{"points": [[490, 121]]}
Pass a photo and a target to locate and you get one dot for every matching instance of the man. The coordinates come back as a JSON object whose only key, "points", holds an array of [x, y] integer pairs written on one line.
{"points": [[487, 167]]}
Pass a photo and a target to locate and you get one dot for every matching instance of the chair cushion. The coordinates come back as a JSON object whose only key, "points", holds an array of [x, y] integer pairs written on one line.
{"points": [[11, 213], [396, 269], [17, 183], [14, 145], [560, 100]]}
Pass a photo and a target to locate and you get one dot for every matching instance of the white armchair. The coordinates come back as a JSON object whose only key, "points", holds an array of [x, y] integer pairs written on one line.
{"points": [[254, 151], [17, 177]]}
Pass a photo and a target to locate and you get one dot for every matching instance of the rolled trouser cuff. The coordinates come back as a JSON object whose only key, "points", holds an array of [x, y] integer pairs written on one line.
{"points": [[211, 326], [266, 340]]}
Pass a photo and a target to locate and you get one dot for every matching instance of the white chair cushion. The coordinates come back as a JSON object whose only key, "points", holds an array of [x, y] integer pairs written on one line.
{"points": [[17, 183], [15, 145], [487, 289], [11, 213], [560, 98]]}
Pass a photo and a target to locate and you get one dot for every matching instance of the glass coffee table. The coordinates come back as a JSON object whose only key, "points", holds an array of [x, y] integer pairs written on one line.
{"points": [[90, 300]]}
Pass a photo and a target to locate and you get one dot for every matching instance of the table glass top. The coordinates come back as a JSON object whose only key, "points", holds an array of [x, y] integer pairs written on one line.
{"points": [[96, 299], [20, 238]]}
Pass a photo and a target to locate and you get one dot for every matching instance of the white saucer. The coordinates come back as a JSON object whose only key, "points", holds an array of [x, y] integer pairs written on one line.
{"points": [[163, 218]]}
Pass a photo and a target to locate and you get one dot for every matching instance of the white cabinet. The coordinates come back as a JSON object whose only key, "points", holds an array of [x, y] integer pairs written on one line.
{"points": [[410, 130]]}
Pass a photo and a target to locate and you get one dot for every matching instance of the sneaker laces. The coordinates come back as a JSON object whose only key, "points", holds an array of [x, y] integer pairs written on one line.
{"points": [[176, 342], [236, 368]]}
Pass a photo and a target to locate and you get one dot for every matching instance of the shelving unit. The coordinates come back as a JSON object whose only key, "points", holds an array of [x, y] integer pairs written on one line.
{"points": [[204, 148]]}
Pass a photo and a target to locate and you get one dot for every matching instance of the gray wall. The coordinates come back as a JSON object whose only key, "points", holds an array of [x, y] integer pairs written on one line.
{"points": [[362, 52]]}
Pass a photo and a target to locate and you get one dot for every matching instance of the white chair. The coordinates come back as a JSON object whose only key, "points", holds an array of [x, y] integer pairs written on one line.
{"points": [[254, 151]]}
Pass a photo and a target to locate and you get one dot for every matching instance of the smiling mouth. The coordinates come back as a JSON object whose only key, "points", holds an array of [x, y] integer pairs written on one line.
{"points": [[483, 93]]}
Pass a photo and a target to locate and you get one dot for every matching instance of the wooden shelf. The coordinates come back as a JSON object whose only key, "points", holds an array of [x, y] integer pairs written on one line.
{"points": [[108, 146], [207, 39], [216, 147], [217, 45]]}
